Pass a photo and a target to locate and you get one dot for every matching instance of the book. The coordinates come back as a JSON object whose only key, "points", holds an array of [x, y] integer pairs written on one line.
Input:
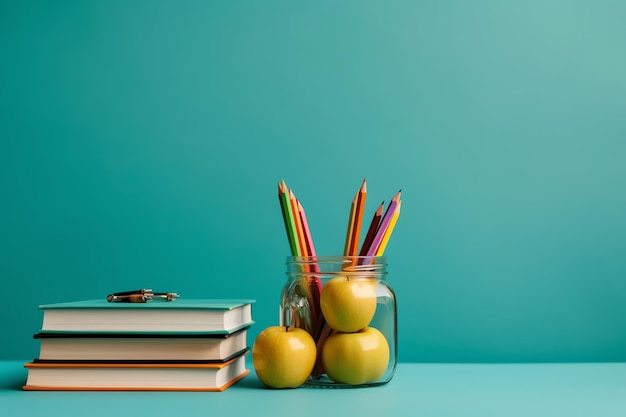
{"points": [[159, 317], [134, 376], [140, 347]]}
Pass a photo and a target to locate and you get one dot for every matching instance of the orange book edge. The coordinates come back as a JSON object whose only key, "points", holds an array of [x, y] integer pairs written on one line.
{"points": [[217, 389]]}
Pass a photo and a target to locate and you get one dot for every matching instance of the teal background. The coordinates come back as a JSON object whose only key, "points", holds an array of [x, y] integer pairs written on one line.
{"points": [[142, 141]]}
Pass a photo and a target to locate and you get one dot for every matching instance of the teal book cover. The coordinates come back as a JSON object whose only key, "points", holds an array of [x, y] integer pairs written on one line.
{"points": [[183, 303], [183, 316]]}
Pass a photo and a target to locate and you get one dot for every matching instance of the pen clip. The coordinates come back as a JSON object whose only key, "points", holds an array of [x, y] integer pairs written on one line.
{"points": [[127, 298], [140, 296]]}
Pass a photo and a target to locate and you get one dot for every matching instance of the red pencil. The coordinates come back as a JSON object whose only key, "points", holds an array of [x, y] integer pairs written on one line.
{"points": [[372, 229], [384, 223], [308, 239]]}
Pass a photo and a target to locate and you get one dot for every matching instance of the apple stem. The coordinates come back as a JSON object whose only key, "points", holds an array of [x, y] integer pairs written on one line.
{"points": [[286, 328]]}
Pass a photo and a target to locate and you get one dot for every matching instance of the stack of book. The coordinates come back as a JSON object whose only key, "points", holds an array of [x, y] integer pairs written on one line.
{"points": [[184, 345]]}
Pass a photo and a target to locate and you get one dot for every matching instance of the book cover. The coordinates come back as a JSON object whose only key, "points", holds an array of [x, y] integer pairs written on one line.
{"points": [[140, 347], [179, 304], [44, 376], [193, 316]]}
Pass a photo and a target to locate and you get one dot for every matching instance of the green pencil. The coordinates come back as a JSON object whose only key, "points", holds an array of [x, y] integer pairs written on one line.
{"points": [[288, 218]]}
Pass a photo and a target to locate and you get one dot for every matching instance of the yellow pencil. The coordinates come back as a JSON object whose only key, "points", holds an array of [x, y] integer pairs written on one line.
{"points": [[387, 235]]}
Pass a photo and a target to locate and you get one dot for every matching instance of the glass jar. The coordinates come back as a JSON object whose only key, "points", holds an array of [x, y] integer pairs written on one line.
{"points": [[348, 307]]}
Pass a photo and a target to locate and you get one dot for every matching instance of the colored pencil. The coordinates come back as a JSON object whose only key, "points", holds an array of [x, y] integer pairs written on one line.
{"points": [[355, 219], [309, 245], [384, 224], [372, 229], [358, 219], [310, 248], [300, 243], [389, 231], [314, 283], [288, 217], [348, 243]]}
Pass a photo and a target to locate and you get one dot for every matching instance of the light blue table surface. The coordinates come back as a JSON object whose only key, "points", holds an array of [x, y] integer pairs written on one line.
{"points": [[416, 389]]}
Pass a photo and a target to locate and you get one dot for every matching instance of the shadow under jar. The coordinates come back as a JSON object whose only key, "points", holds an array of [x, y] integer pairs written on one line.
{"points": [[346, 304]]}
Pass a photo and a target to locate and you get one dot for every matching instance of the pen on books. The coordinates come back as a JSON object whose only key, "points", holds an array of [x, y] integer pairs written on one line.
{"points": [[141, 291], [140, 296], [129, 298]]}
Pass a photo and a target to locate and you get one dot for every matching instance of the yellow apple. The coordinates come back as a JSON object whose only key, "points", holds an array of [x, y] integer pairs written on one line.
{"points": [[348, 303], [283, 357], [356, 358]]}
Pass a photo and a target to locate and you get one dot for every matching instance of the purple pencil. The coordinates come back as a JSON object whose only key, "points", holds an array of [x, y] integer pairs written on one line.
{"points": [[384, 224]]}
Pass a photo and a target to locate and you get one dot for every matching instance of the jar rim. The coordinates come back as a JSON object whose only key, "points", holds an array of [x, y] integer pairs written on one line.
{"points": [[380, 260], [332, 265]]}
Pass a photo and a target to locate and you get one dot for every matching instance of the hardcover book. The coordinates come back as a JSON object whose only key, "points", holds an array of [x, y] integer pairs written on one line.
{"points": [[134, 376], [193, 316], [140, 347]]}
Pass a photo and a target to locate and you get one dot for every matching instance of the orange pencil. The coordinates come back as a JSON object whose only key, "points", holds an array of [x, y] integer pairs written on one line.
{"points": [[354, 222], [358, 219]]}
